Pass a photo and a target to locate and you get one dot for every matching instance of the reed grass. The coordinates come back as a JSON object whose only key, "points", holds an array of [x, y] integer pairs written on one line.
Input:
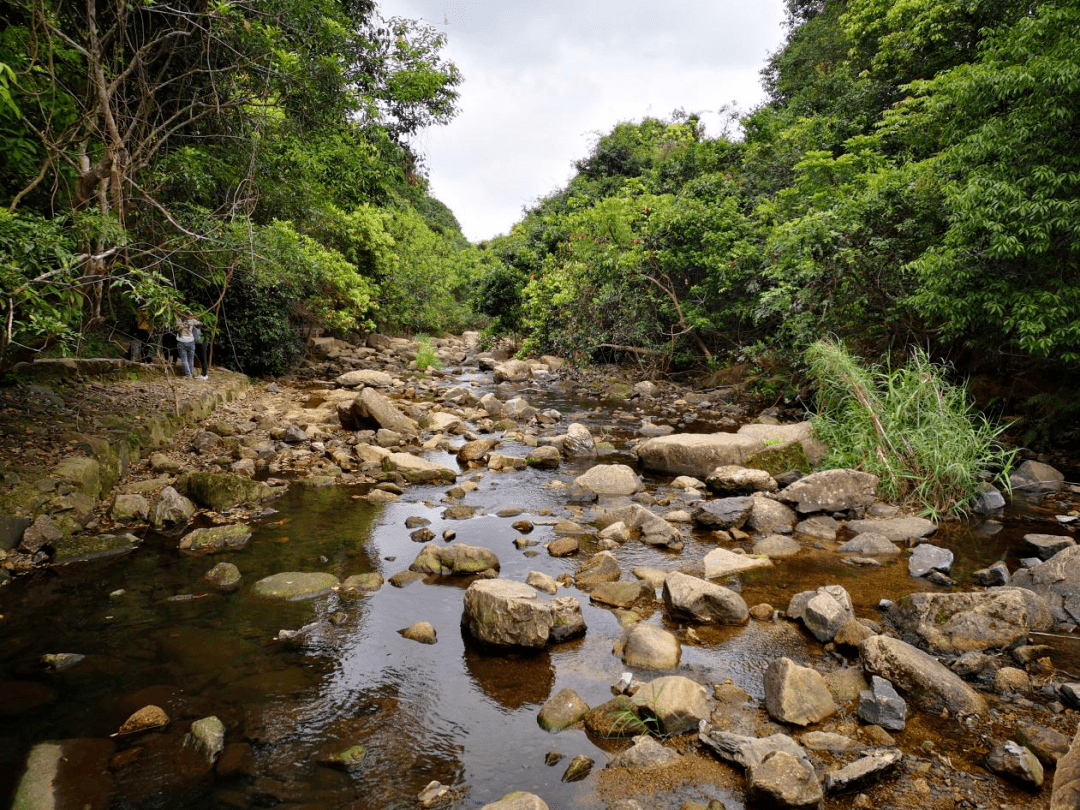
{"points": [[910, 426]]}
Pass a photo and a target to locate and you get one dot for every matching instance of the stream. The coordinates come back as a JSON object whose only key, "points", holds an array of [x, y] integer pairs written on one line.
{"points": [[451, 712]]}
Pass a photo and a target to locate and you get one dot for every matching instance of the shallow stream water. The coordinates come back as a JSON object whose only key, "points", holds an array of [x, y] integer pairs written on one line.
{"points": [[451, 711]]}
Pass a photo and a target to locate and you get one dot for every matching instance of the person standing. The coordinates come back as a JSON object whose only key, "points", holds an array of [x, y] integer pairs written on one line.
{"points": [[202, 354], [185, 343]]}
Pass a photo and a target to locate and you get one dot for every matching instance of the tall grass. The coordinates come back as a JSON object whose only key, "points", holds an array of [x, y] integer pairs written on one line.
{"points": [[425, 354], [910, 426]]}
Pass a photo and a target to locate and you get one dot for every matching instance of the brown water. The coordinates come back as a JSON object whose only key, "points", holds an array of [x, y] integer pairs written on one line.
{"points": [[450, 712]]}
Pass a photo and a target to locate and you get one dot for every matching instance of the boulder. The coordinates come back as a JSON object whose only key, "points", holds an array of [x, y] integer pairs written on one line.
{"points": [[512, 371], [732, 479], [129, 507], [221, 491], [295, 586], [655, 531], [881, 705], [783, 781], [746, 751], [1056, 580], [423, 632], [477, 449], [1016, 762], [949, 623], [722, 563], [364, 377], [831, 491], [620, 594], [651, 647], [1066, 790], [224, 577], [676, 703], [504, 613], [601, 567], [518, 409], [418, 470], [616, 718], [1046, 546], [723, 513], [696, 600], [608, 480], [544, 458], [863, 772], [926, 681], [869, 543], [776, 546], [562, 710], [795, 694], [170, 508], [66, 774], [696, 454], [1036, 478], [926, 558], [456, 559], [768, 517], [372, 410], [517, 800], [214, 539], [207, 736], [578, 442]]}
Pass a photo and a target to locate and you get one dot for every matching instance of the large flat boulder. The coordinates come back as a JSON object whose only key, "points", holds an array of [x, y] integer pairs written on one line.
{"points": [[831, 491], [610, 480], [949, 623], [505, 613], [722, 563], [777, 438], [696, 454], [898, 530], [693, 599], [419, 470], [457, 559]]}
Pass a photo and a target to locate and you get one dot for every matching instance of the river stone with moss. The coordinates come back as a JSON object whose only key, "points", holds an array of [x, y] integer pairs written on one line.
{"points": [[221, 491], [295, 586], [213, 539], [80, 548], [455, 559]]}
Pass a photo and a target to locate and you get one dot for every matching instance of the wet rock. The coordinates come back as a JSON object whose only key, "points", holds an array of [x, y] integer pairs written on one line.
{"points": [[693, 599], [1011, 679], [768, 517], [645, 754], [66, 774], [863, 772], [1017, 763], [651, 647], [608, 480], [745, 751], [499, 462], [926, 558], [147, 718], [58, 662], [723, 513], [492, 404], [518, 409], [207, 736], [616, 532], [564, 546], [783, 781], [1036, 478], [579, 767], [517, 801], [996, 574], [170, 508], [578, 442], [924, 680], [223, 577], [221, 491], [654, 530], [359, 584], [504, 613], [831, 491], [619, 594], [677, 704], [823, 611], [818, 527], [776, 546], [417, 470], [696, 454], [601, 567], [295, 586], [424, 632], [653, 576], [869, 543], [795, 694], [1048, 744], [544, 458], [828, 741], [512, 371], [562, 710], [722, 563], [83, 547], [1046, 546], [422, 535], [881, 705], [372, 410], [456, 559], [899, 530], [959, 622], [542, 582], [477, 449], [1056, 580], [215, 539], [731, 479], [989, 501]]}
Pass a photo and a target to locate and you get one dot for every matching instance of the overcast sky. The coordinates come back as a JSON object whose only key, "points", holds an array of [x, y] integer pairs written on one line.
{"points": [[544, 77]]}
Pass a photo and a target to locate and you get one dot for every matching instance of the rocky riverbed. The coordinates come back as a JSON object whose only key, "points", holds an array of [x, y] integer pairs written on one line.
{"points": [[378, 586]]}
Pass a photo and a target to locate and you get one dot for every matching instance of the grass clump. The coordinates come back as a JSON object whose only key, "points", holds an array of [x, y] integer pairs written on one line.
{"points": [[910, 426], [425, 354]]}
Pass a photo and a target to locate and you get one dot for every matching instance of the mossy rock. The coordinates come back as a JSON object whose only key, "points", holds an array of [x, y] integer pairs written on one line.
{"points": [[213, 539], [616, 718], [221, 491], [779, 459], [295, 586], [79, 548]]}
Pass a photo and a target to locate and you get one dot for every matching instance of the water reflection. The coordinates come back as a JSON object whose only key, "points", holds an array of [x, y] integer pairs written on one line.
{"points": [[511, 680]]}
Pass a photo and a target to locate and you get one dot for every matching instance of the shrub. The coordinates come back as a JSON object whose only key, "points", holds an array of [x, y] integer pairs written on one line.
{"points": [[909, 426]]}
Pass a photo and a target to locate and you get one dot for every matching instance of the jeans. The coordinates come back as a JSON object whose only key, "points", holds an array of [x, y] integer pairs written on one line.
{"points": [[187, 356]]}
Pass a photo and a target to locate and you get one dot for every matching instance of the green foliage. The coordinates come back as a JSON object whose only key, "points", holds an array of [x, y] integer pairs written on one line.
{"points": [[425, 354], [909, 426]]}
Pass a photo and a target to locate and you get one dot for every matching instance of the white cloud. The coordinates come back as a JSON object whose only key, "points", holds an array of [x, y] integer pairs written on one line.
{"points": [[542, 78]]}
